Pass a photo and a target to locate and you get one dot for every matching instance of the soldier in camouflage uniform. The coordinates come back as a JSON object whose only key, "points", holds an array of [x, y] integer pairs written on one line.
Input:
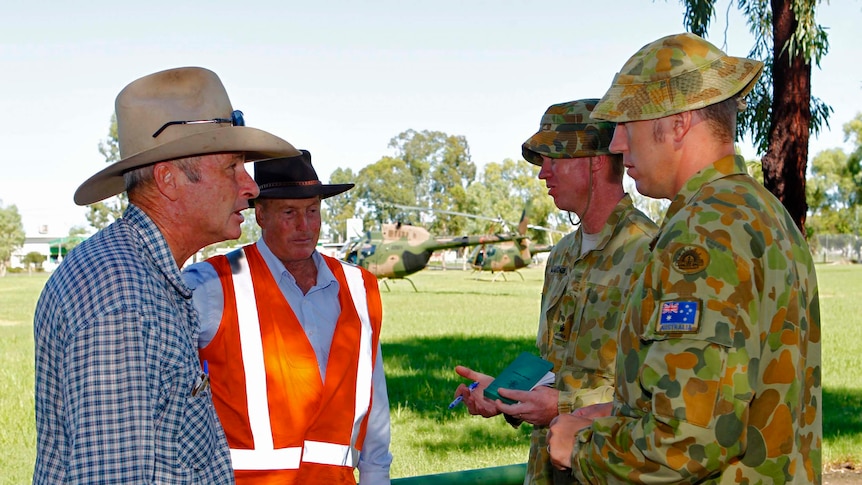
{"points": [[588, 276], [718, 369]]}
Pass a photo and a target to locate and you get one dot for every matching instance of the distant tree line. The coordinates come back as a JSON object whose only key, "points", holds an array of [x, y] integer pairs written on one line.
{"points": [[835, 187], [427, 169], [433, 170], [11, 234]]}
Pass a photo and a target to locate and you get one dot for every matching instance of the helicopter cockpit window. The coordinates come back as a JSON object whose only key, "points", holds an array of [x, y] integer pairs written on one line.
{"points": [[368, 250]]}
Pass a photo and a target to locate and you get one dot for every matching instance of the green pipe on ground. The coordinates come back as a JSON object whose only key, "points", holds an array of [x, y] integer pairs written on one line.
{"points": [[498, 475]]}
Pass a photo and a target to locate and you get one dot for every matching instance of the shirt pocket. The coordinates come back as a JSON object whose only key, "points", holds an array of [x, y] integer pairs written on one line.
{"points": [[686, 375], [596, 321], [197, 439], [563, 295]]}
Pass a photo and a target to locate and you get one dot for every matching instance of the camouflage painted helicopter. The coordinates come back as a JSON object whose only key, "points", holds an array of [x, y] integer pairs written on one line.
{"points": [[500, 257], [507, 256], [399, 250]]}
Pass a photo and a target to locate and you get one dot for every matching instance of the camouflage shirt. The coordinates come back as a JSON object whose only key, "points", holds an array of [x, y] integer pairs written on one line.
{"points": [[718, 375], [582, 303]]}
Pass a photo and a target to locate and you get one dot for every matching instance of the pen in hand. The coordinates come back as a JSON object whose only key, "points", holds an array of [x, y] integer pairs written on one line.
{"points": [[458, 399]]}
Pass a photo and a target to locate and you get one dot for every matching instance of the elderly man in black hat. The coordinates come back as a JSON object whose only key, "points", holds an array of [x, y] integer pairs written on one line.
{"points": [[291, 340]]}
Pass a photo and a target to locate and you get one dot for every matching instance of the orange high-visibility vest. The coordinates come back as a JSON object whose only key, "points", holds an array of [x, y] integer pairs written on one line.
{"points": [[283, 423]]}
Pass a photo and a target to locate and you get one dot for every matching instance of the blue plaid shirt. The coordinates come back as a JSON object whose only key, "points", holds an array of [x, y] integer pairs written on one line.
{"points": [[116, 363]]}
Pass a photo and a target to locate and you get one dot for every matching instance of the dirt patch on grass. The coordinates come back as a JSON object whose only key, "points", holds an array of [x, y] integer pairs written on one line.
{"points": [[842, 474]]}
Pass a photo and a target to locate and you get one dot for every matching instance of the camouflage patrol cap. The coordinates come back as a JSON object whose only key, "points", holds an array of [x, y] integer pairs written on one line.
{"points": [[566, 131], [677, 73]]}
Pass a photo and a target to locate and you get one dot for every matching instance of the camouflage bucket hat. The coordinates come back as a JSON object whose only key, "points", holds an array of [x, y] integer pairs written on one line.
{"points": [[677, 73], [566, 131]]}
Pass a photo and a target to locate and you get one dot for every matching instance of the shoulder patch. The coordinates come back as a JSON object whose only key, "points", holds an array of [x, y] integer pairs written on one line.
{"points": [[679, 316], [690, 259]]}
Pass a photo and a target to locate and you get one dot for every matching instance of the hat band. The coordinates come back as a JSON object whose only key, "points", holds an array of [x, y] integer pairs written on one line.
{"points": [[289, 184], [566, 127]]}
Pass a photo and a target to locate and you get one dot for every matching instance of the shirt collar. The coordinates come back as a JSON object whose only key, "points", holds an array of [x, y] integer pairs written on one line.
{"points": [[276, 267], [721, 168], [155, 247], [611, 225]]}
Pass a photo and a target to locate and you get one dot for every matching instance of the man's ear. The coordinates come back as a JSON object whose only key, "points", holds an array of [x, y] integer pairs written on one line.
{"points": [[167, 180], [597, 163], [681, 124], [259, 213]]}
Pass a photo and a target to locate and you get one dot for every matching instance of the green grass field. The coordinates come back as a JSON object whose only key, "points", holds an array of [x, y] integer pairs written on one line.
{"points": [[453, 320]]}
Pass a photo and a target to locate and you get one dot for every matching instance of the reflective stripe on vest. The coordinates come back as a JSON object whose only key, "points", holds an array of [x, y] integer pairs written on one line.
{"points": [[264, 456]]}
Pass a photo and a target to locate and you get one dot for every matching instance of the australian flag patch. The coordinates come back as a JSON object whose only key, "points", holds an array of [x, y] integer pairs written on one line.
{"points": [[679, 316]]}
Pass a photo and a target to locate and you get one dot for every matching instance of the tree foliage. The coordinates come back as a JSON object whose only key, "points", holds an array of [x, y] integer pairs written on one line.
{"points": [[853, 132], [504, 190], [34, 259], [101, 214], [835, 188], [442, 170], [380, 185], [11, 235], [337, 210], [782, 113], [433, 169]]}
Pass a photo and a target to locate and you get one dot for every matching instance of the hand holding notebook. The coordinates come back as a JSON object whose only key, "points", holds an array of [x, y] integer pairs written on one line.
{"points": [[524, 373]]}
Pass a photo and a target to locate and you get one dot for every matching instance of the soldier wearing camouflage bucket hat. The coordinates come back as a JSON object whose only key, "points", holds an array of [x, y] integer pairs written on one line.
{"points": [[718, 358], [588, 276]]}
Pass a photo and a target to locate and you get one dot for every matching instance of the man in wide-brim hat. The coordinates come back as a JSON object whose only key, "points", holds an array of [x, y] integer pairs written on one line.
{"points": [[307, 325], [120, 393], [718, 361]]}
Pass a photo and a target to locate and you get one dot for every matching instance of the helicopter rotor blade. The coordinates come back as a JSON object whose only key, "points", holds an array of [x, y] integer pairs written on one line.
{"points": [[497, 219], [453, 213]]}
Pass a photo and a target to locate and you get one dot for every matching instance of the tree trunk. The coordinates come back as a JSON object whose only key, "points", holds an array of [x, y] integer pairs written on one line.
{"points": [[786, 159]]}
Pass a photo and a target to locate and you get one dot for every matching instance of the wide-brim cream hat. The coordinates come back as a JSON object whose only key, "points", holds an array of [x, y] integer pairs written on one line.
{"points": [[680, 72], [174, 114]]}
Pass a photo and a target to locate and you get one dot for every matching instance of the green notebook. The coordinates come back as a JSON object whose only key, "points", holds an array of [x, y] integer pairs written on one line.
{"points": [[522, 374]]}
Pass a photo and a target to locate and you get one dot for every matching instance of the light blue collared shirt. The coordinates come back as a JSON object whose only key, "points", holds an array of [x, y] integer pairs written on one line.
{"points": [[317, 312]]}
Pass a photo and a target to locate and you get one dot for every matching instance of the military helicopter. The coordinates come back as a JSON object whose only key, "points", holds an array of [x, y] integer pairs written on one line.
{"points": [[399, 250], [500, 257], [508, 256]]}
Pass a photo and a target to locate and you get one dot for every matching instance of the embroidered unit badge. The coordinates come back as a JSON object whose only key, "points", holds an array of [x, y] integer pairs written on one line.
{"points": [[690, 259]]}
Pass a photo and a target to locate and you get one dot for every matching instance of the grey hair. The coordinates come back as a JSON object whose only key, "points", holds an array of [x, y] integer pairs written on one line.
{"points": [[142, 176]]}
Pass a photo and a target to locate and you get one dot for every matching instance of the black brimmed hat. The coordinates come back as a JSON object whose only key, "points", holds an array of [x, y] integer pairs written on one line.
{"points": [[292, 178]]}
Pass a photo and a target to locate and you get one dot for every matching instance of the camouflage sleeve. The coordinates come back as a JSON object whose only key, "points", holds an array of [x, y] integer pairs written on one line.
{"points": [[682, 379], [571, 400], [687, 431]]}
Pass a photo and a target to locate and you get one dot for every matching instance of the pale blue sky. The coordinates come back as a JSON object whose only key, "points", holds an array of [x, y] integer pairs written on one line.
{"points": [[339, 78]]}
